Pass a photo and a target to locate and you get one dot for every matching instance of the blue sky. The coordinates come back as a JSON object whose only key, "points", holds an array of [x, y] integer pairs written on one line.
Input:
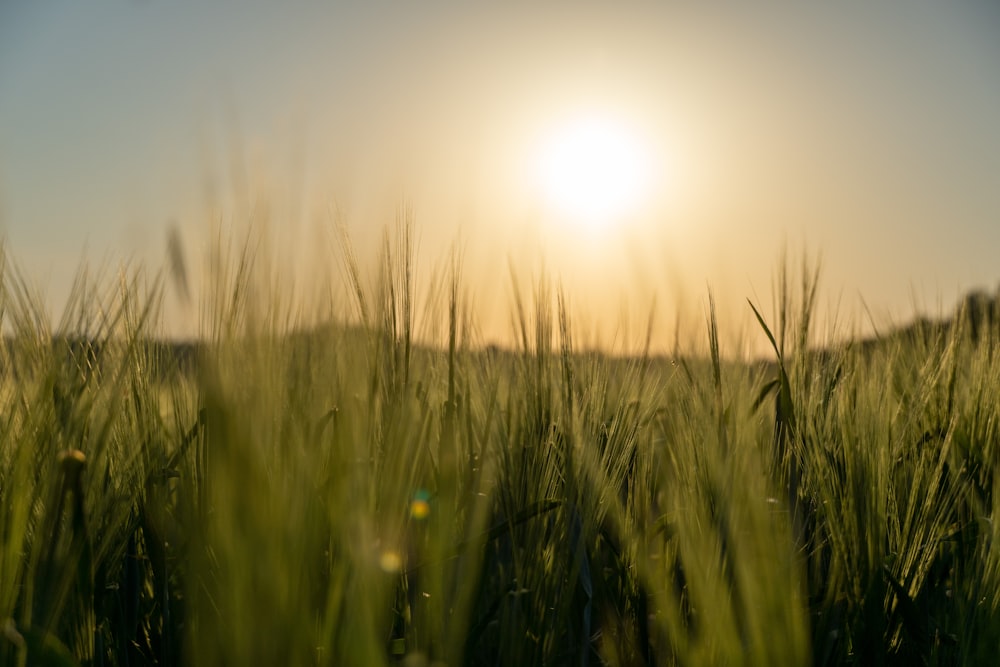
{"points": [[866, 133]]}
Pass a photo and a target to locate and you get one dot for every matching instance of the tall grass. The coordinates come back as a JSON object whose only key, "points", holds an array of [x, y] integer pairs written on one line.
{"points": [[353, 493]]}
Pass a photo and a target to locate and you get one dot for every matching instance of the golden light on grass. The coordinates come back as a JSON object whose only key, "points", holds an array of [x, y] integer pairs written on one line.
{"points": [[390, 561], [593, 170]]}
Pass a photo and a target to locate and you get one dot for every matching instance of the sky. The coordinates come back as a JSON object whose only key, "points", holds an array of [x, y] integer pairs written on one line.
{"points": [[863, 134]]}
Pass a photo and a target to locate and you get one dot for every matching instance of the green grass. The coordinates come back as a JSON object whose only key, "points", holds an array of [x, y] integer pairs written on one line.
{"points": [[346, 495]]}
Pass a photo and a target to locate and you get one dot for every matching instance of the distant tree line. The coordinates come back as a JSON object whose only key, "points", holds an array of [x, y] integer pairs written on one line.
{"points": [[979, 311]]}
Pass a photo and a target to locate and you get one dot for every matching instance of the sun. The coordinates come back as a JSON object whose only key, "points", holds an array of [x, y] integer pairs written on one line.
{"points": [[592, 171]]}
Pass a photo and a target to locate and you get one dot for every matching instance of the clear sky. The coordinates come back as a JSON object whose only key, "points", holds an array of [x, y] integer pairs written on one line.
{"points": [[867, 132]]}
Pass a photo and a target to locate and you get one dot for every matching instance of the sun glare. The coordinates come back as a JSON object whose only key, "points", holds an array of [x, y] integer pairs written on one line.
{"points": [[592, 171]]}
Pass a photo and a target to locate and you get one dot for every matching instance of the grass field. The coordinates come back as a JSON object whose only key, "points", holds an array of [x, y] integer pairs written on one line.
{"points": [[345, 495]]}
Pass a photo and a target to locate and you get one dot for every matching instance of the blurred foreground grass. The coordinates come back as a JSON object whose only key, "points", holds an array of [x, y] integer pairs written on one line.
{"points": [[342, 495]]}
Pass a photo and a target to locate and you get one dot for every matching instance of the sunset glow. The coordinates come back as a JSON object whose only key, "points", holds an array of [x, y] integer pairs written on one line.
{"points": [[636, 154], [593, 171]]}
